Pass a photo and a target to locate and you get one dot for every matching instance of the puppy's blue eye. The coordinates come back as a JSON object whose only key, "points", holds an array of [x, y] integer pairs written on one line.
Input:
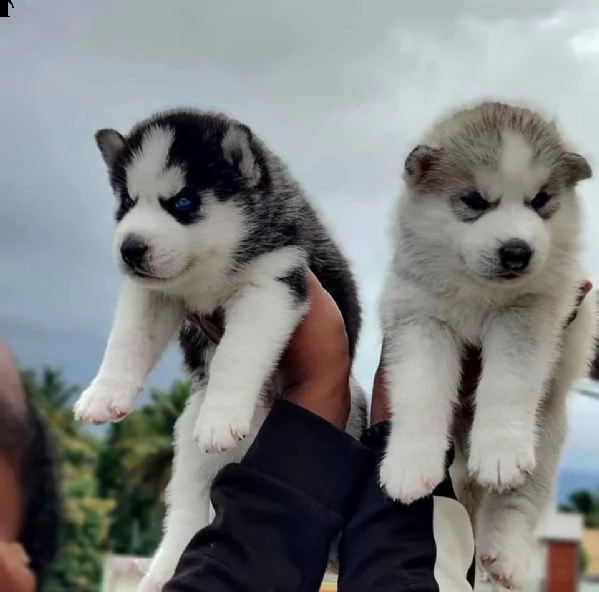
{"points": [[183, 203], [184, 206]]}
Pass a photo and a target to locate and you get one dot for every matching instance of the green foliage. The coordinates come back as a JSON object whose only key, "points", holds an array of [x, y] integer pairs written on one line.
{"points": [[84, 529], [134, 469], [583, 561], [112, 488], [586, 503]]}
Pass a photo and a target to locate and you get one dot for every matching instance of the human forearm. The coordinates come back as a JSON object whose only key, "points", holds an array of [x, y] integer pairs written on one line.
{"points": [[278, 510], [386, 546]]}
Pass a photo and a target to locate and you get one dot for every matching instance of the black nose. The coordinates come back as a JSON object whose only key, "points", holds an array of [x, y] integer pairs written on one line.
{"points": [[133, 251], [515, 255]]}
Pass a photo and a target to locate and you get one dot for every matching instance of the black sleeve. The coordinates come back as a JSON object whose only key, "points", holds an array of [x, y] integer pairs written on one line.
{"points": [[278, 510], [426, 546]]}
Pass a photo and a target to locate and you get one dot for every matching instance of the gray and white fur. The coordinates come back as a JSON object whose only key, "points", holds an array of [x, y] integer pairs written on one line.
{"points": [[487, 250], [208, 220]]}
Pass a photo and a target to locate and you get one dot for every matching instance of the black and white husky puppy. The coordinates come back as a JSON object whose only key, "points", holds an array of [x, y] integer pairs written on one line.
{"points": [[208, 219], [487, 253]]}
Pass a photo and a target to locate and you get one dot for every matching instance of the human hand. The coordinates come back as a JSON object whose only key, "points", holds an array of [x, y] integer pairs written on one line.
{"points": [[15, 575], [471, 369], [315, 367]]}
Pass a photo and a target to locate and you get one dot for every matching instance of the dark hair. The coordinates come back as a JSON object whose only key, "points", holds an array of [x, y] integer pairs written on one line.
{"points": [[42, 510]]}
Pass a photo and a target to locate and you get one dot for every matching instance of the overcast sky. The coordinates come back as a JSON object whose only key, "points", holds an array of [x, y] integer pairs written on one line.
{"points": [[341, 89]]}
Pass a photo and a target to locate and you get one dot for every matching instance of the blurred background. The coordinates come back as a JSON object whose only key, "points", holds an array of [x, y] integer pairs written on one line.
{"points": [[341, 89]]}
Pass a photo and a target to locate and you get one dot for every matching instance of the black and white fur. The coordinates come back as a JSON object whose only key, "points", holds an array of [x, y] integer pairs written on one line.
{"points": [[487, 245], [208, 220]]}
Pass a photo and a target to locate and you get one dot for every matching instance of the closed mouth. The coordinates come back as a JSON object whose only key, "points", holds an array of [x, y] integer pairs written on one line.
{"points": [[144, 275], [510, 275], [138, 273]]}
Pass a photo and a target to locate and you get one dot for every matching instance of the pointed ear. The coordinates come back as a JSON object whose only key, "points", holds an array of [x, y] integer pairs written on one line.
{"points": [[422, 167], [240, 152], [576, 168], [110, 143]]}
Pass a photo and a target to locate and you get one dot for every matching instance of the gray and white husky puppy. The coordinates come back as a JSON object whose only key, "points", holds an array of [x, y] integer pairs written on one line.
{"points": [[208, 220], [487, 253]]}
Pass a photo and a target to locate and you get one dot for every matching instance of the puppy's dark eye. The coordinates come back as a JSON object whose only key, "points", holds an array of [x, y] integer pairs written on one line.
{"points": [[540, 200], [475, 201], [124, 205]]}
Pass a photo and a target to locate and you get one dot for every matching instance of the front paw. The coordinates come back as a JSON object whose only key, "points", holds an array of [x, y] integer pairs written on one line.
{"points": [[105, 401], [411, 469], [501, 459], [220, 427]]}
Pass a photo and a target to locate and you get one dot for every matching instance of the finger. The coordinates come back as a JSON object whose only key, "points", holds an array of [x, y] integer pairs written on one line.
{"points": [[16, 551], [318, 346], [320, 300], [15, 576], [322, 319]]}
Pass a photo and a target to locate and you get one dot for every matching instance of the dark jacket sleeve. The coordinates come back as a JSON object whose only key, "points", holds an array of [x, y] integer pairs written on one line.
{"points": [[426, 546], [278, 510]]}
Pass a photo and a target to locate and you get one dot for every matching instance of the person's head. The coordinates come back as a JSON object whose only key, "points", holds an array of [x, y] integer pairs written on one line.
{"points": [[25, 448]]}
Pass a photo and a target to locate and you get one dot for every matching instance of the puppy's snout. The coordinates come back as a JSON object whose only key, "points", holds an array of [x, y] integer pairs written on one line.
{"points": [[133, 251], [515, 255]]}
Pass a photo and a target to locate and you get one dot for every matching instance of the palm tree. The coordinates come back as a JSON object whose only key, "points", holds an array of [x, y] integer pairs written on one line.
{"points": [[50, 394], [586, 503], [147, 439], [134, 469]]}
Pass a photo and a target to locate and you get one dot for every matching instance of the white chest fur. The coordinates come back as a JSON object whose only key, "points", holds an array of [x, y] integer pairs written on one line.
{"points": [[467, 308]]}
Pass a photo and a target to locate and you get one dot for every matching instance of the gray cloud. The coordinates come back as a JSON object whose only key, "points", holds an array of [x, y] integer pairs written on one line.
{"points": [[340, 92]]}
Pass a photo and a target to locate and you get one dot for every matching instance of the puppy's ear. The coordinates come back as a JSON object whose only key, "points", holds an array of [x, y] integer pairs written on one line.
{"points": [[110, 143], [576, 168], [241, 153], [422, 168]]}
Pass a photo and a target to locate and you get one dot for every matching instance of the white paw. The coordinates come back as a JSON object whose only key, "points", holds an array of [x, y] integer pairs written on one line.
{"points": [[505, 552], [501, 459], [105, 401], [412, 469], [220, 427]]}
